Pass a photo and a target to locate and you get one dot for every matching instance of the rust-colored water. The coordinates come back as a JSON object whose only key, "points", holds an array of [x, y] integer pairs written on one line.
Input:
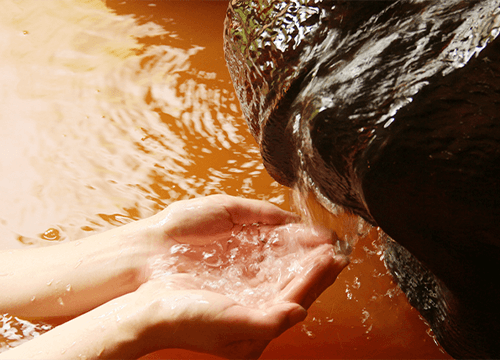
{"points": [[110, 111]]}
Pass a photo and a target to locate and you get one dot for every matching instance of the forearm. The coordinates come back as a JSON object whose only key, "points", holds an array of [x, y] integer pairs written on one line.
{"points": [[111, 331], [71, 278]]}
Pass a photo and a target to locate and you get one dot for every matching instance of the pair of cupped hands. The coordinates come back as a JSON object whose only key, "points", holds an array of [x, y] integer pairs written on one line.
{"points": [[211, 322]]}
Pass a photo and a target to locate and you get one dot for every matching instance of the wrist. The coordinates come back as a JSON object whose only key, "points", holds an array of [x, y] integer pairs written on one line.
{"points": [[128, 325], [151, 322], [138, 242], [122, 328]]}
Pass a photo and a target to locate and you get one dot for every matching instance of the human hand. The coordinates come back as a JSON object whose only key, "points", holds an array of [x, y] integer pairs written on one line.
{"points": [[201, 233], [245, 295], [208, 219], [215, 285]]}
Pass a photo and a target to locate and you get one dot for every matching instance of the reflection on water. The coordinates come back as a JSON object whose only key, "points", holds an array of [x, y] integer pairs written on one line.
{"points": [[15, 331], [105, 121], [109, 111]]}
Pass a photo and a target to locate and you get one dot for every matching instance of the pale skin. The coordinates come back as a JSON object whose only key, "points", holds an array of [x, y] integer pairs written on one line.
{"points": [[120, 311]]}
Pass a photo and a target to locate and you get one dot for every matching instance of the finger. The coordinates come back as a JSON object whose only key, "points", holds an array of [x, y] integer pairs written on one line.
{"points": [[321, 272], [249, 211], [300, 234], [296, 278], [340, 263], [264, 324], [173, 282], [252, 329]]}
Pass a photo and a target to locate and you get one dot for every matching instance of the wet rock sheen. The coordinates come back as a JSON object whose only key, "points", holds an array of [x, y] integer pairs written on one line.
{"points": [[390, 109]]}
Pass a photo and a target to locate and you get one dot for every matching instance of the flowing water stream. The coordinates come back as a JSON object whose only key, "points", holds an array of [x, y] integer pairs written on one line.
{"points": [[111, 110]]}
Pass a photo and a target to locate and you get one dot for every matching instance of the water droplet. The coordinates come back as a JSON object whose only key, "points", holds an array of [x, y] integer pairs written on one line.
{"points": [[51, 234], [245, 269], [180, 248], [366, 315], [50, 282], [356, 284], [68, 287], [308, 332], [60, 301], [348, 293], [78, 263]]}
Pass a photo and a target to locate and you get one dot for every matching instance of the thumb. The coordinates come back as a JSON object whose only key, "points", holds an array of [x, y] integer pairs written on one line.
{"points": [[296, 315]]}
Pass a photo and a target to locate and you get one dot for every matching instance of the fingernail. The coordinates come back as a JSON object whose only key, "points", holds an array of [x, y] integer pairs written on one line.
{"points": [[342, 260], [297, 315]]}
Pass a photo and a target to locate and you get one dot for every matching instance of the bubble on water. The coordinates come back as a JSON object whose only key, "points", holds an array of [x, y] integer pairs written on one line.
{"points": [[211, 259], [356, 283], [393, 292], [250, 268], [377, 274], [51, 234], [308, 332], [180, 249], [207, 255], [318, 320], [348, 293], [365, 316]]}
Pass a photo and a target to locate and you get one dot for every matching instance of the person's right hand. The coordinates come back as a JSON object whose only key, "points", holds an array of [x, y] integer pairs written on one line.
{"points": [[181, 313]]}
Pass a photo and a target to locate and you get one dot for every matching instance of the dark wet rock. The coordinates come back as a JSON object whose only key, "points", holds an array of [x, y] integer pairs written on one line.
{"points": [[392, 110]]}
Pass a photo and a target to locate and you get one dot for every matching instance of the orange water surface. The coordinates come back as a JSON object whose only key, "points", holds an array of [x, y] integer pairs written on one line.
{"points": [[111, 110]]}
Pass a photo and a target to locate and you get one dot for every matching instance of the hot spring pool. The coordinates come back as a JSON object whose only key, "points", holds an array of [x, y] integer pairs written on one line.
{"points": [[111, 110]]}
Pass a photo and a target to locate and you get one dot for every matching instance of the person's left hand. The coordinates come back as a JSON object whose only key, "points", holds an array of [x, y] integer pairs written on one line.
{"points": [[212, 218], [182, 313]]}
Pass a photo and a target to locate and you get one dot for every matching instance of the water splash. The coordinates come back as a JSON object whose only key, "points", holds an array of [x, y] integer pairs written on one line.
{"points": [[14, 331], [349, 228], [251, 268]]}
